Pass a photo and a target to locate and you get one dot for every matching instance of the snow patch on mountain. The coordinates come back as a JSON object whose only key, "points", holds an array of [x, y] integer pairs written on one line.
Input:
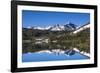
{"points": [[82, 28], [57, 28]]}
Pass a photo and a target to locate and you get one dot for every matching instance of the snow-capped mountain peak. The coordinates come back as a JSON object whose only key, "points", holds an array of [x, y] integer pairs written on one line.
{"points": [[57, 27], [43, 28]]}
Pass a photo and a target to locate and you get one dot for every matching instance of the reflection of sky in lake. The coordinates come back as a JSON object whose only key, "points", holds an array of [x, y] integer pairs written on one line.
{"points": [[36, 57]]}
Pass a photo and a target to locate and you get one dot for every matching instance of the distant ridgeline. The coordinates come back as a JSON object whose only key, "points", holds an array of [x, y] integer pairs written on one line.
{"points": [[64, 37]]}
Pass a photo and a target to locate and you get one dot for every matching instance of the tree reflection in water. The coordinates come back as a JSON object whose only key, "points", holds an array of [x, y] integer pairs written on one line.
{"points": [[54, 48]]}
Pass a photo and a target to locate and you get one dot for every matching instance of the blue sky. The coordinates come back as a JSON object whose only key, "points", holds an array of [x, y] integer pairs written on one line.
{"points": [[47, 18]]}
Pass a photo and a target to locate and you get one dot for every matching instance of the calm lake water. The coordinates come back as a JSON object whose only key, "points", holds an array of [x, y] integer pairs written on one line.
{"points": [[52, 56]]}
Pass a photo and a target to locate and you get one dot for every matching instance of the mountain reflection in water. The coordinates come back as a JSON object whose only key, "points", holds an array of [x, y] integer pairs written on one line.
{"points": [[35, 52], [52, 55], [58, 52]]}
